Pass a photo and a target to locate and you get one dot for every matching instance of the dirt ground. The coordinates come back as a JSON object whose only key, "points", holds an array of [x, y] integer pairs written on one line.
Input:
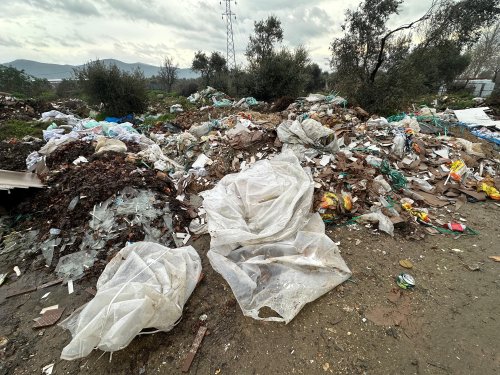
{"points": [[448, 324]]}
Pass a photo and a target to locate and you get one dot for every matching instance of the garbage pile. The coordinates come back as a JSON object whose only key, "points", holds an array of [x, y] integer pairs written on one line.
{"points": [[210, 97], [387, 172], [262, 185], [12, 108], [13, 152]]}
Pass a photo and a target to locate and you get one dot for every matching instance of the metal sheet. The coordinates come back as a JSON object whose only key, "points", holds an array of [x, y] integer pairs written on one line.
{"points": [[23, 180]]}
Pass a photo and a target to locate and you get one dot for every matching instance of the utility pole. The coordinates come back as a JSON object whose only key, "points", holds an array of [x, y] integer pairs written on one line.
{"points": [[230, 55]]}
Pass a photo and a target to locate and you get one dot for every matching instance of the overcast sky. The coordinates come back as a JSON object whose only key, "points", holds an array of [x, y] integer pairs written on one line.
{"points": [[76, 31]]}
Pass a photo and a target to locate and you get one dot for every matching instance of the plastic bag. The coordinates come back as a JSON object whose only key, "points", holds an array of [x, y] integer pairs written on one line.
{"points": [[107, 144], [384, 223], [176, 108], [471, 148], [308, 132], [32, 159], [201, 130], [381, 185], [398, 145], [266, 244], [421, 183], [145, 285], [154, 154]]}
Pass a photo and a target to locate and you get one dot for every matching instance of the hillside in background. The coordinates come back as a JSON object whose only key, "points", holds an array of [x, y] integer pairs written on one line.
{"points": [[58, 71]]}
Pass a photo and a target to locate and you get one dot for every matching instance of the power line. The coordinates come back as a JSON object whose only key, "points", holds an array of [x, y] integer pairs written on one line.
{"points": [[230, 54]]}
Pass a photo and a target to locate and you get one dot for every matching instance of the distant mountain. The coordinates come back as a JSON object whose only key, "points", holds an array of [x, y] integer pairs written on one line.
{"points": [[57, 71]]}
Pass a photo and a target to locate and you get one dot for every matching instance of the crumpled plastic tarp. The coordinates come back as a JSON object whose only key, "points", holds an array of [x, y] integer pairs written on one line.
{"points": [[145, 285], [306, 133], [265, 242]]}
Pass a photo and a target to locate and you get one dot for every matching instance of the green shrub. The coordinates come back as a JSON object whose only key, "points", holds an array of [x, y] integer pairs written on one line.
{"points": [[119, 92]]}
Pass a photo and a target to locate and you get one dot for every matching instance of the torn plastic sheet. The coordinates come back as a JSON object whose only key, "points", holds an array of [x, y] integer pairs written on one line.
{"points": [[308, 132], [265, 242], [145, 285]]}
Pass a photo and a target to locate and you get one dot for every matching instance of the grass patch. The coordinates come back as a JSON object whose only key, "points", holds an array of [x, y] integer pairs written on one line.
{"points": [[19, 129]]}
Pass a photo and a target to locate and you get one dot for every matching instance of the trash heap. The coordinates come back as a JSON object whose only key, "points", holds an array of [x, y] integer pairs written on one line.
{"points": [[263, 185], [12, 108], [210, 97], [388, 172]]}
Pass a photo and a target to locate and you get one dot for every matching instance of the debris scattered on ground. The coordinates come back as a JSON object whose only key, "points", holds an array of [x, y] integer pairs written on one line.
{"points": [[47, 370], [265, 186]]}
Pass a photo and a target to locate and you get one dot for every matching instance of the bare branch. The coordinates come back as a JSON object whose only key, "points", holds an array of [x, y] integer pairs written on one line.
{"points": [[384, 40]]}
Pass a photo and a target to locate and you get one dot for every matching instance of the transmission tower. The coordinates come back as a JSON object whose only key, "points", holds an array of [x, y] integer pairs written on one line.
{"points": [[230, 55]]}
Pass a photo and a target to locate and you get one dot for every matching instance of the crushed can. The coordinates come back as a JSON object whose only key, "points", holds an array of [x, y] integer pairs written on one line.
{"points": [[405, 281]]}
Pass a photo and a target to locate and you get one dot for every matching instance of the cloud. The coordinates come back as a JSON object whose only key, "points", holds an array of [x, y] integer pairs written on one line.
{"points": [[75, 31], [73, 7], [9, 42], [302, 26]]}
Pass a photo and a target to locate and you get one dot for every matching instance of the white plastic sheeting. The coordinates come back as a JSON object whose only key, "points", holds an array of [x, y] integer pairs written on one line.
{"points": [[309, 132], [265, 242], [473, 117], [144, 286]]}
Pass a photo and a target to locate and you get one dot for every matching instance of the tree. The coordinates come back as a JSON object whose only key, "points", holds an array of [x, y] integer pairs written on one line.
{"points": [[212, 69], [373, 62], [201, 64], [120, 92], [272, 73], [485, 55], [218, 69], [18, 83], [68, 88], [461, 22], [167, 74], [284, 73], [316, 79], [266, 34]]}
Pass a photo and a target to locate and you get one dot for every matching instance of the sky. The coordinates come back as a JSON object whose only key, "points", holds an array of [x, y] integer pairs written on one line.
{"points": [[77, 31]]}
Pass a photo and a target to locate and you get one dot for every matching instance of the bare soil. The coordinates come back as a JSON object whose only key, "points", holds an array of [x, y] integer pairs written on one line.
{"points": [[448, 324]]}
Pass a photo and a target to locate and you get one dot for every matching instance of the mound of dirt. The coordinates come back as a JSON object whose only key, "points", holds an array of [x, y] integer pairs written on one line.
{"points": [[94, 182], [13, 154]]}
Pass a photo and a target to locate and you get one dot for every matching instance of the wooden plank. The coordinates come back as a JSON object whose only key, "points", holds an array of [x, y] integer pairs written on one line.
{"points": [[194, 348]]}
